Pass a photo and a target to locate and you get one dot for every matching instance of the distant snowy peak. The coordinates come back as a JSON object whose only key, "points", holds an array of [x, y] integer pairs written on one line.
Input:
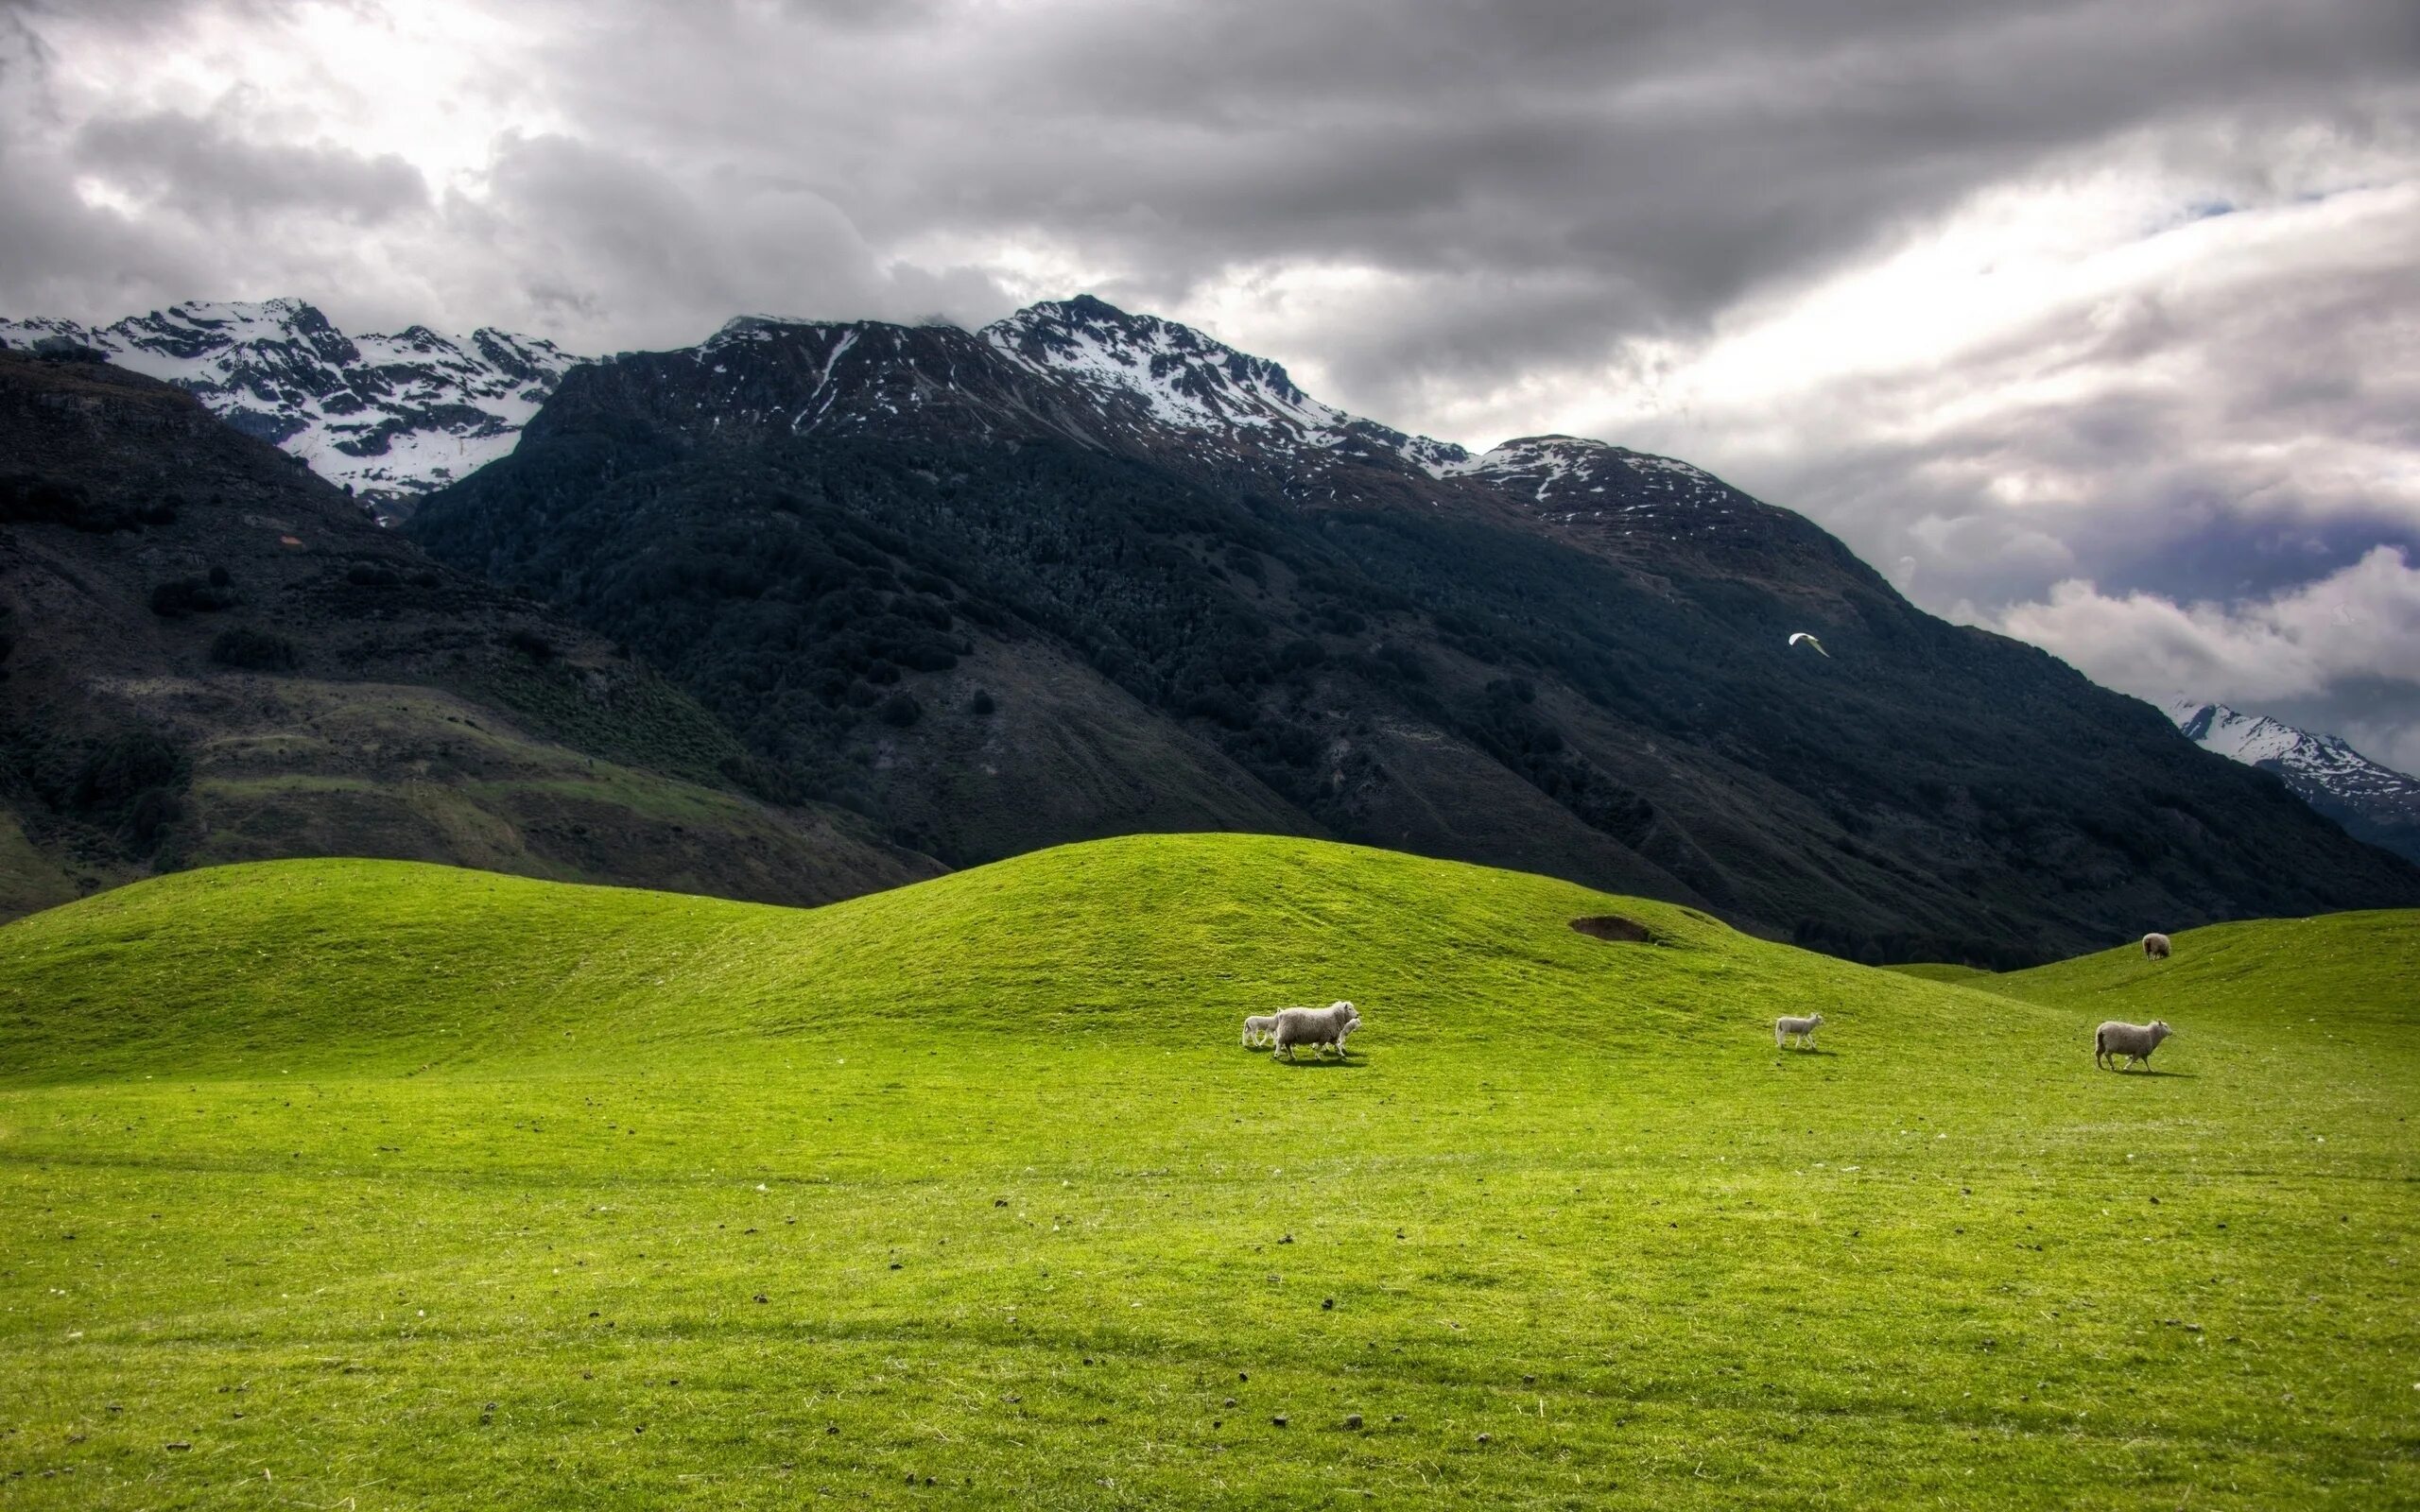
{"points": [[2257, 740], [2375, 803], [393, 416]]}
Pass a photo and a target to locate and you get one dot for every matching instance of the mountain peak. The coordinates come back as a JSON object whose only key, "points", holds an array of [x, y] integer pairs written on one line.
{"points": [[1179, 376]]}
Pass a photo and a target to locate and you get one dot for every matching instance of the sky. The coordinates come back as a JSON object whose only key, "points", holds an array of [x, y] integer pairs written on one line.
{"points": [[2096, 322]]}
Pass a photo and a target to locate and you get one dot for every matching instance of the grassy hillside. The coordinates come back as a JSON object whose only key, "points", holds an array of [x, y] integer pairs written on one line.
{"points": [[398, 1183], [1940, 972], [2262, 975]]}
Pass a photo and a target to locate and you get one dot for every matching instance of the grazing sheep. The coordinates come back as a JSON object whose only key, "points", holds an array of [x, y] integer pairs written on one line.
{"points": [[2156, 947], [1803, 1028], [1259, 1027], [2136, 1042], [1314, 1026]]}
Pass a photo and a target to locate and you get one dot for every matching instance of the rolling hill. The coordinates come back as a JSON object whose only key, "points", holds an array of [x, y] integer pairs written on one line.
{"points": [[207, 654], [339, 1178]]}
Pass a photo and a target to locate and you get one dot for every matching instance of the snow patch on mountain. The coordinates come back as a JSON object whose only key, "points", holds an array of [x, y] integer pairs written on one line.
{"points": [[1182, 378], [391, 415], [1573, 474]]}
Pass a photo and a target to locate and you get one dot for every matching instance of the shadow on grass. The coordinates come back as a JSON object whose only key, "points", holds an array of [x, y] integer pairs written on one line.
{"points": [[1811, 1050], [1321, 1063], [2147, 1070]]}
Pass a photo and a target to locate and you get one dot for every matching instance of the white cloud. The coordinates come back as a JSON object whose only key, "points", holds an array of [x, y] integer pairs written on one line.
{"points": [[2358, 623]]}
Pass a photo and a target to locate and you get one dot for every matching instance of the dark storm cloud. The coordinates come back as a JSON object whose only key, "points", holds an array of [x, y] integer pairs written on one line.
{"points": [[201, 168], [1685, 155]]}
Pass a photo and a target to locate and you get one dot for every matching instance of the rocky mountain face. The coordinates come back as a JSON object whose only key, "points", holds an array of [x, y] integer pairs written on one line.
{"points": [[209, 654], [389, 416], [1085, 572], [2374, 803]]}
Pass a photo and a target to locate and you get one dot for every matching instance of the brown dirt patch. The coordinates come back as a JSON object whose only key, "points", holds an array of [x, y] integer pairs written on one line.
{"points": [[1613, 926]]}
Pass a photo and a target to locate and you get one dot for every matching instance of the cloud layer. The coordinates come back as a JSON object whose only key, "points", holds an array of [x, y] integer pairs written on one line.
{"points": [[2094, 320]]}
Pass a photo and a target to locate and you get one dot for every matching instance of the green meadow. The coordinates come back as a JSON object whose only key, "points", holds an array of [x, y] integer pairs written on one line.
{"points": [[363, 1184]]}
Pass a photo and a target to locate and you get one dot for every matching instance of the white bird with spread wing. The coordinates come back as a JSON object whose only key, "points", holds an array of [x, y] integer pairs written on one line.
{"points": [[1801, 635]]}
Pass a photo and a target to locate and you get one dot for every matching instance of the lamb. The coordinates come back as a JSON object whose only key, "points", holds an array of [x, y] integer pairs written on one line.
{"points": [[2156, 947], [1803, 1028], [2136, 1042], [1314, 1026], [1260, 1026]]}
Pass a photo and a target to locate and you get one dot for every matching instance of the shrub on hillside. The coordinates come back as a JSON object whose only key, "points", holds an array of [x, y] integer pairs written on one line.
{"points": [[902, 710], [762, 778], [254, 650], [531, 644], [28, 500], [180, 597]]}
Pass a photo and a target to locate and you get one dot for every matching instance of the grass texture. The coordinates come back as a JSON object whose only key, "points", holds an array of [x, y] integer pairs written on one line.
{"points": [[369, 1184]]}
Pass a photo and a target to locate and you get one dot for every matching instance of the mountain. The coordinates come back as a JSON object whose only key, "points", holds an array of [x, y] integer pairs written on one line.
{"points": [[2374, 803], [389, 416], [209, 654], [1083, 572]]}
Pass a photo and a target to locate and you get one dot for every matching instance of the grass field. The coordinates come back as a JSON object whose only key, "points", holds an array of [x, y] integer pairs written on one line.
{"points": [[372, 1184]]}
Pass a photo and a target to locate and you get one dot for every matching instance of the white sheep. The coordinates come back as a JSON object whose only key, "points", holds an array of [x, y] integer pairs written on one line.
{"points": [[1259, 1027], [1314, 1026], [2156, 947], [2136, 1042], [1805, 1028]]}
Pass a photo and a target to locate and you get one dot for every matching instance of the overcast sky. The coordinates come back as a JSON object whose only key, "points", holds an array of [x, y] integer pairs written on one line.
{"points": [[2095, 322]]}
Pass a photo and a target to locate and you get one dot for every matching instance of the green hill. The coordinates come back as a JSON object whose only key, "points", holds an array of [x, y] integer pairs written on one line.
{"points": [[1939, 971], [403, 1184]]}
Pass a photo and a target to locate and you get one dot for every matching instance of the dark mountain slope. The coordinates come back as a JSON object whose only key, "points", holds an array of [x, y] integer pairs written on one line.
{"points": [[860, 545], [208, 654]]}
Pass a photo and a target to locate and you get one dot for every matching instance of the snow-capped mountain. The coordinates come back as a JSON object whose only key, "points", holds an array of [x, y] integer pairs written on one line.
{"points": [[392, 416], [1150, 389], [2373, 803], [397, 416]]}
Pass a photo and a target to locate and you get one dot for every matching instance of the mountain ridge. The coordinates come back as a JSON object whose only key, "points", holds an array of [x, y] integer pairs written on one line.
{"points": [[389, 417]]}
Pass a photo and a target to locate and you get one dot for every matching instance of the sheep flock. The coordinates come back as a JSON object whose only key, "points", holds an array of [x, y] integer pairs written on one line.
{"points": [[1282, 1032]]}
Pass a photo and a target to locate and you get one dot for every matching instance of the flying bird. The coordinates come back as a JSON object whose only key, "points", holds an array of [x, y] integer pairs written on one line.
{"points": [[1801, 635]]}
